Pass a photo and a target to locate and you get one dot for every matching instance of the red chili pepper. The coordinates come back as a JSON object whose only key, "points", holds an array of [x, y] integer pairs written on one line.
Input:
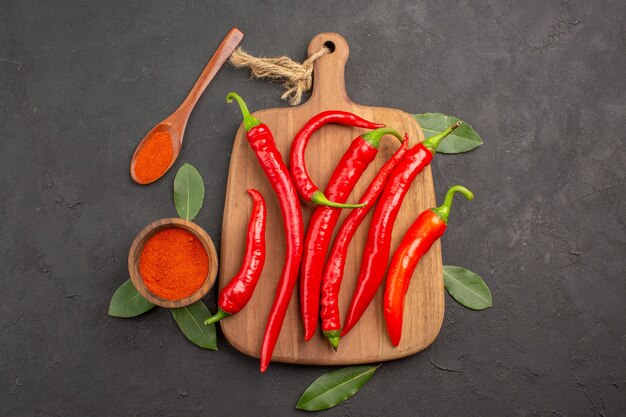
{"points": [[333, 272], [429, 226], [239, 290], [376, 255], [354, 162], [262, 142], [307, 189]]}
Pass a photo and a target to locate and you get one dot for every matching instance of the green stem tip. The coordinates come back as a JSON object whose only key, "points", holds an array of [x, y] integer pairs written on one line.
{"points": [[333, 338], [221, 314], [433, 142], [319, 198], [373, 137], [249, 121], [443, 211]]}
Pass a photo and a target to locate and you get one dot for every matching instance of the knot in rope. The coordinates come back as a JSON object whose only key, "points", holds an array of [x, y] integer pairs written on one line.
{"points": [[297, 78]]}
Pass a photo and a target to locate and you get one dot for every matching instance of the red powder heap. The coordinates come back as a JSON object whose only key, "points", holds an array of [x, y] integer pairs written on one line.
{"points": [[173, 264], [154, 157]]}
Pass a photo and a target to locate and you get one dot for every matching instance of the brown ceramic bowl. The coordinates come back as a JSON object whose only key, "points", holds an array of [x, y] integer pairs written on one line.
{"points": [[137, 248]]}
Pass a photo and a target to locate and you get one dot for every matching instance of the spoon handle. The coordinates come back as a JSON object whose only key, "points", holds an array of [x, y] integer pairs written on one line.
{"points": [[218, 59]]}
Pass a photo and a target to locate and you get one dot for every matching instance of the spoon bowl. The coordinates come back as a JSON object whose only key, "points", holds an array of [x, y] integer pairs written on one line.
{"points": [[176, 134], [135, 254], [175, 124]]}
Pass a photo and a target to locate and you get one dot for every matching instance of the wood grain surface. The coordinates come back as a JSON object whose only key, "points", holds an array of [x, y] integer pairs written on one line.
{"points": [[368, 341]]}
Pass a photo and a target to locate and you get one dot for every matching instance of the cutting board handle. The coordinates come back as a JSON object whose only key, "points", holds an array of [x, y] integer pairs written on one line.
{"points": [[328, 70]]}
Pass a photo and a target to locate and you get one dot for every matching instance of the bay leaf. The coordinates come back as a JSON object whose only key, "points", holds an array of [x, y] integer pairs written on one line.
{"points": [[127, 302], [191, 319], [335, 387], [188, 192], [466, 287], [461, 140]]}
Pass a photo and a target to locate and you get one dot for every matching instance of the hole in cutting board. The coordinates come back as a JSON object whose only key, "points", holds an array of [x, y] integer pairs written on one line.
{"points": [[330, 45]]}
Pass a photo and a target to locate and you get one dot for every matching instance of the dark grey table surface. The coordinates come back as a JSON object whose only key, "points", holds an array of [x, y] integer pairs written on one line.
{"points": [[542, 82]]}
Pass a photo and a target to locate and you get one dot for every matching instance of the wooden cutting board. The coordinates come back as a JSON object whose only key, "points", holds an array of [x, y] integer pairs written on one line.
{"points": [[368, 340]]}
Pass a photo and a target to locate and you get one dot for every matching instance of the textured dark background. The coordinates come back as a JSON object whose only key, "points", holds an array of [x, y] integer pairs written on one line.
{"points": [[541, 81]]}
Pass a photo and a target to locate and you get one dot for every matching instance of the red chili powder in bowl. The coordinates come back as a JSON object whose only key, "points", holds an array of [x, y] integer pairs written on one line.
{"points": [[173, 264], [154, 157]]}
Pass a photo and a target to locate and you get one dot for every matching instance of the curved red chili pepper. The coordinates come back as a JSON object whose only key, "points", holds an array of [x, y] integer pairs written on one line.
{"points": [[429, 226], [239, 290], [376, 255], [333, 272], [262, 142], [354, 162], [305, 186]]}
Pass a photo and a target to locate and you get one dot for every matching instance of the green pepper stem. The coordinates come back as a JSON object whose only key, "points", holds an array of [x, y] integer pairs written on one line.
{"points": [[373, 137], [432, 143], [333, 338], [249, 121], [319, 198], [443, 211], [221, 314]]}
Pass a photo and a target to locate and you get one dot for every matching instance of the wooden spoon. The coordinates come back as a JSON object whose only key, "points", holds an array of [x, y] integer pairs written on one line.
{"points": [[175, 124]]}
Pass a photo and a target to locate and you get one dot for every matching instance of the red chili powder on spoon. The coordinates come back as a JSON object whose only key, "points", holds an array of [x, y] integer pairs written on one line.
{"points": [[173, 264], [154, 157]]}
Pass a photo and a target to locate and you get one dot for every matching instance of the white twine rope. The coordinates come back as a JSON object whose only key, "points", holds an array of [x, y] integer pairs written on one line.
{"points": [[297, 78]]}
